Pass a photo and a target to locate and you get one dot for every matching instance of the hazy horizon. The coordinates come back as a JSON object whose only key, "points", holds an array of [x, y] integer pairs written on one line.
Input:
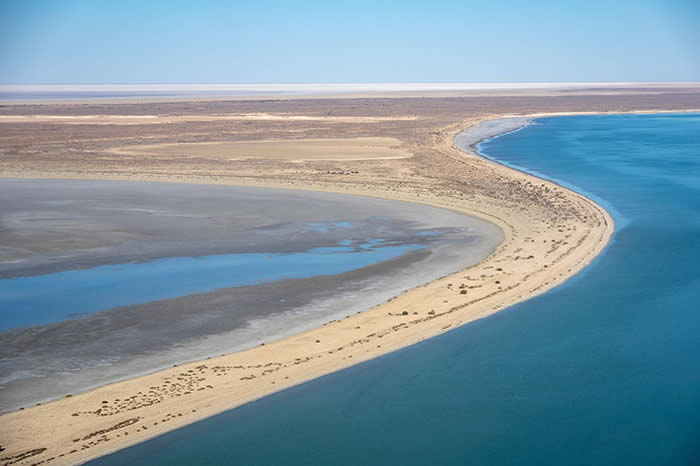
{"points": [[406, 84], [51, 92], [212, 42]]}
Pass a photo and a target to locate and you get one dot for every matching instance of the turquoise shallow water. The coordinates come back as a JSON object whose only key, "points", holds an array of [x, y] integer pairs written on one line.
{"points": [[44, 299], [604, 369]]}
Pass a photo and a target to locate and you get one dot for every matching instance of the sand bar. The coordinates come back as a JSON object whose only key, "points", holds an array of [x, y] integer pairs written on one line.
{"points": [[133, 410]]}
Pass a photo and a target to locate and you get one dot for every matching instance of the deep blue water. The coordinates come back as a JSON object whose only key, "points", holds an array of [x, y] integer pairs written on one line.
{"points": [[604, 369], [42, 299]]}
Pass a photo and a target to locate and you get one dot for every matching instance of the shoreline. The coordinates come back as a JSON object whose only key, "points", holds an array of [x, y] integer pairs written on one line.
{"points": [[487, 305]]}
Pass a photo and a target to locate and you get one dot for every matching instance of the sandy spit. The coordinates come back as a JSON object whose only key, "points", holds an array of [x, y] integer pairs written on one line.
{"points": [[541, 250]]}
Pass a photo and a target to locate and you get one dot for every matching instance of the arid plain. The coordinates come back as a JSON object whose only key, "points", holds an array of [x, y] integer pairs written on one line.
{"points": [[375, 145]]}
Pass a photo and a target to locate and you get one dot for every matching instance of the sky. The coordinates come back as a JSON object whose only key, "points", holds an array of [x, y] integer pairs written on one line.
{"points": [[206, 41]]}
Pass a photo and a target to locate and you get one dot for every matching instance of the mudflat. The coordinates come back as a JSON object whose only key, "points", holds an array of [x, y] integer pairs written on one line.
{"points": [[549, 234], [60, 339]]}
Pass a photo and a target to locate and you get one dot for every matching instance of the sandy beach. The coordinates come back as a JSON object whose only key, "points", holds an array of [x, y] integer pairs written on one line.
{"points": [[550, 233]]}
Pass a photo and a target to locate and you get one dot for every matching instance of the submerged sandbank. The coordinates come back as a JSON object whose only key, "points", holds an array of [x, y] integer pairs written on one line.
{"points": [[467, 140]]}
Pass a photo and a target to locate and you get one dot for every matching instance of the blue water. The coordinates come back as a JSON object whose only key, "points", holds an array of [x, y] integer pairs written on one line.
{"points": [[43, 299], [602, 370]]}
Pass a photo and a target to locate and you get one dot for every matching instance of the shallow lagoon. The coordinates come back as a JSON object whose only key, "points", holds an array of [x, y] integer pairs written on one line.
{"points": [[101, 281], [604, 369], [44, 299]]}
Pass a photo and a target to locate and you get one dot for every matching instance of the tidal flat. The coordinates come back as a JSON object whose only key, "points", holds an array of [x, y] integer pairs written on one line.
{"points": [[104, 280]]}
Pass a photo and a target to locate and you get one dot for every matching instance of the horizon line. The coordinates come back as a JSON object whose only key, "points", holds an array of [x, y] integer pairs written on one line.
{"points": [[427, 84]]}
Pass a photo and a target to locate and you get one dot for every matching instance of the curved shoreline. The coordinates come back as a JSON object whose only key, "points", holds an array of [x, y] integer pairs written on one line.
{"points": [[328, 359]]}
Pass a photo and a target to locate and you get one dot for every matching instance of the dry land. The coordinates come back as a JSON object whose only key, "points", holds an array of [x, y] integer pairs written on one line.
{"points": [[366, 148], [549, 232]]}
